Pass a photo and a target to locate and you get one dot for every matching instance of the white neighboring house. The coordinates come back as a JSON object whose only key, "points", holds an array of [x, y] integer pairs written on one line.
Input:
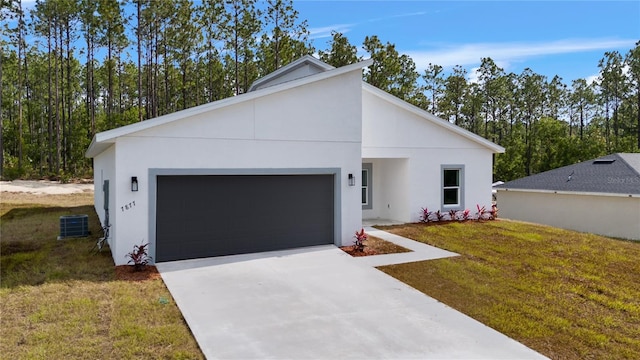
{"points": [[600, 196], [299, 160]]}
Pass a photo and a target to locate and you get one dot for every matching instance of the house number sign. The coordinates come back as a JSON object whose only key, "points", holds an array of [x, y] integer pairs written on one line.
{"points": [[128, 206]]}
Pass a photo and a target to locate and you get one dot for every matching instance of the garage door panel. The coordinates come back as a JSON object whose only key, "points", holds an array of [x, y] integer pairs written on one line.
{"points": [[202, 216]]}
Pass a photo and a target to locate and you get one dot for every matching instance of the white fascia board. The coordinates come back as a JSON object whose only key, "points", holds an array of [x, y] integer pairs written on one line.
{"points": [[559, 192], [102, 140], [95, 148], [434, 119]]}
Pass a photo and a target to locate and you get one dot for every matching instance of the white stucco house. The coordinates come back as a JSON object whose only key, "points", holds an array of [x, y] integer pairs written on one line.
{"points": [[299, 160], [599, 196]]}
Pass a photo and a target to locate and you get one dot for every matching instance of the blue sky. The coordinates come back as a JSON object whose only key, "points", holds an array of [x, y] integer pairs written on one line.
{"points": [[565, 38]]}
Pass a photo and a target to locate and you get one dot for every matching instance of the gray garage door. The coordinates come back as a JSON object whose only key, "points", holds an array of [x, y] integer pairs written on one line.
{"points": [[203, 216]]}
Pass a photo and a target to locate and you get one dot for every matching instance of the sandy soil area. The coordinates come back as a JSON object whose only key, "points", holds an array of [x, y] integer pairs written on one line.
{"points": [[44, 187]]}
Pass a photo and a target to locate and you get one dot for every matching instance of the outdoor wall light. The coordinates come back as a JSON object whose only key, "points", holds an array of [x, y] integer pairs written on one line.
{"points": [[134, 183], [352, 180]]}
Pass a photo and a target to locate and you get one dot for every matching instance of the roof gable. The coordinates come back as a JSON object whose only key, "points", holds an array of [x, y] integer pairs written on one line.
{"points": [[432, 118], [305, 66], [614, 174], [101, 141]]}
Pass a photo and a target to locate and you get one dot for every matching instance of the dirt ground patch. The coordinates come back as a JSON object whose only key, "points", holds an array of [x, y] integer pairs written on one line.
{"points": [[46, 187], [375, 246], [46, 193], [128, 273]]}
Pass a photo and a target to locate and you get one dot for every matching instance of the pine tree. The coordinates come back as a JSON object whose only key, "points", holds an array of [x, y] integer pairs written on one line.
{"points": [[633, 61], [341, 52], [242, 23], [283, 35]]}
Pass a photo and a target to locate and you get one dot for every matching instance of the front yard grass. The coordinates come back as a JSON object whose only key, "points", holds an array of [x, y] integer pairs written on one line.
{"points": [[565, 294], [60, 301]]}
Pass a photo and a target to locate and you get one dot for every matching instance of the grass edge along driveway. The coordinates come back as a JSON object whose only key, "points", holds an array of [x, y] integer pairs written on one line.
{"points": [[565, 294]]}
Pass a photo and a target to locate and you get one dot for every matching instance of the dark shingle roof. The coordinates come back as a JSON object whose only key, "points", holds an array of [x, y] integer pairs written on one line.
{"points": [[616, 173]]}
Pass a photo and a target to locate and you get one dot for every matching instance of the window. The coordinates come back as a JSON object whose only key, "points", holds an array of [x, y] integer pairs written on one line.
{"points": [[366, 186], [452, 187]]}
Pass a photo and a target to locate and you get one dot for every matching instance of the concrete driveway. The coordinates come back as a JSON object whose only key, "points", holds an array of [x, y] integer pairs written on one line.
{"points": [[320, 303]]}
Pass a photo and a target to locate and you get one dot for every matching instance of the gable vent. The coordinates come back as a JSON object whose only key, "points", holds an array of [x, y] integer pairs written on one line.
{"points": [[604, 161]]}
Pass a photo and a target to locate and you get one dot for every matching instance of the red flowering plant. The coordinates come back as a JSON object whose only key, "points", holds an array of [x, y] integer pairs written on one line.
{"points": [[139, 257], [358, 244], [424, 215]]}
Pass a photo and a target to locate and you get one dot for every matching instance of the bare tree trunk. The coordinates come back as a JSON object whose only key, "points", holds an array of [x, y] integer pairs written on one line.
{"points": [[50, 97], [607, 130], [63, 98], [19, 95], [68, 141], [211, 97], [615, 123], [109, 80], [91, 106], [638, 98], [120, 84], [167, 94], [197, 78], [57, 98], [139, 37], [155, 72], [237, 48], [184, 87], [581, 120]]}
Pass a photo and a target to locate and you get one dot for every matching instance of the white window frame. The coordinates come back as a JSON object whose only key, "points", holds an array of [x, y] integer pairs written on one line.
{"points": [[368, 169], [459, 187]]}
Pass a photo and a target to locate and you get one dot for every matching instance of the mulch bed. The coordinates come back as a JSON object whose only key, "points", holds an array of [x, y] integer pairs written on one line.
{"points": [[351, 251], [128, 273]]}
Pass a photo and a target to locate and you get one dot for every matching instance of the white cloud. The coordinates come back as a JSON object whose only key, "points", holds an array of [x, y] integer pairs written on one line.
{"points": [[474, 76], [325, 31], [419, 13], [592, 79], [470, 54], [596, 77]]}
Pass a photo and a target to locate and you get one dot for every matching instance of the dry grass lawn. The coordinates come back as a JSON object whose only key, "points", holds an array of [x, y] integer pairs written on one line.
{"points": [[567, 295], [60, 301]]}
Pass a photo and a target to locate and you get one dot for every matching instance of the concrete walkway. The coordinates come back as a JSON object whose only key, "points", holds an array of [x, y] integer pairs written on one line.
{"points": [[419, 251], [320, 303]]}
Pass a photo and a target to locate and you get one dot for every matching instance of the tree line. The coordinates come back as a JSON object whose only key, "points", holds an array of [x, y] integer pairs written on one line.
{"points": [[71, 68]]}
